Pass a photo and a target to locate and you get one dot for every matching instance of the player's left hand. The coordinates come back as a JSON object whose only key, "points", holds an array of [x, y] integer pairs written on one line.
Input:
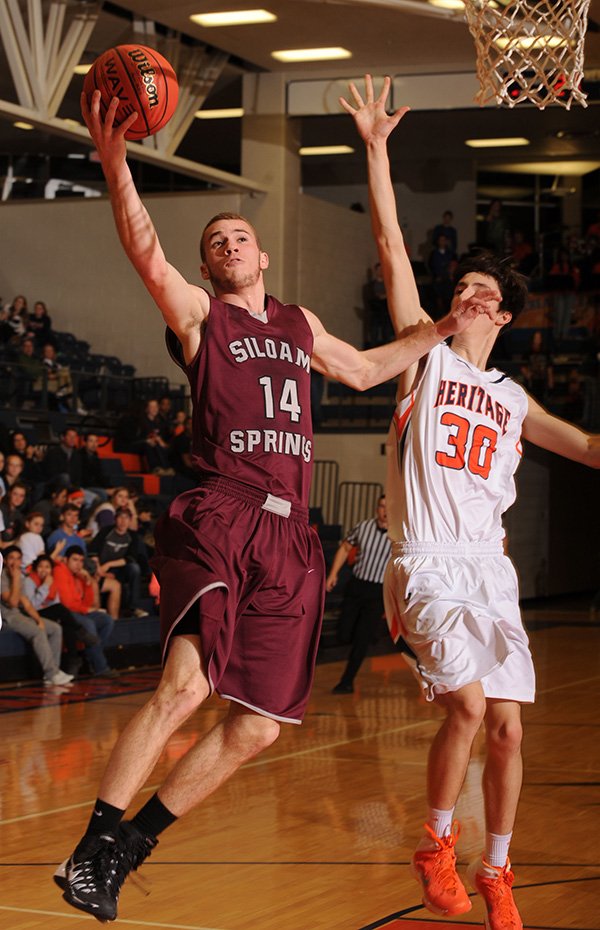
{"points": [[370, 115]]}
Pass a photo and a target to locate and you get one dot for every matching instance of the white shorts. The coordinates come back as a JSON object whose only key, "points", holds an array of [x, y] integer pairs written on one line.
{"points": [[458, 609]]}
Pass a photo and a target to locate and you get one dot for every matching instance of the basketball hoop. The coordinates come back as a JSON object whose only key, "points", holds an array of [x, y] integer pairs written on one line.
{"points": [[529, 50]]}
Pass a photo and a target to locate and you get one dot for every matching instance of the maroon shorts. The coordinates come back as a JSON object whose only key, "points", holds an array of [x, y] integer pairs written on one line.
{"points": [[257, 579]]}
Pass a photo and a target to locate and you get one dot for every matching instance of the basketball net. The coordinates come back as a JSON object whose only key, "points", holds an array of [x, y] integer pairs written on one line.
{"points": [[529, 50]]}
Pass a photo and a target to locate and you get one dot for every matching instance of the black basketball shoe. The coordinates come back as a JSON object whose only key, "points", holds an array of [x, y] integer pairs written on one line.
{"points": [[133, 847], [87, 878]]}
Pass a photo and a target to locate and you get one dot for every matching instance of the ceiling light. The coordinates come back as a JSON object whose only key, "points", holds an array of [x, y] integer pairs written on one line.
{"points": [[81, 69], [311, 54], [573, 169], [76, 155], [325, 150], [529, 42], [233, 18], [448, 4], [496, 143], [21, 125], [73, 122], [230, 113]]}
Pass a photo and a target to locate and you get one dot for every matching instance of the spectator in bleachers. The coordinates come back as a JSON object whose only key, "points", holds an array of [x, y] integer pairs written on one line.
{"points": [[57, 377], [495, 230], [2, 482], [104, 514], [442, 262], [12, 512], [180, 452], [166, 417], [39, 588], [14, 320], [93, 475], [51, 506], [31, 455], [522, 255], [179, 422], [31, 541], [448, 229], [20, 616], [69, 533], [27, 373], [378, 325], [39, 325], [13, 470], [68, 530], [61, 462], [589, 263], [563, 279], [78, 592], [151, 444], [537, 372], [116, 549]]}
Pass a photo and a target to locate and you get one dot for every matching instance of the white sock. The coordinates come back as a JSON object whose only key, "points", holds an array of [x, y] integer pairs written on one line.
{"points": [[496, 848], [441, 824]]}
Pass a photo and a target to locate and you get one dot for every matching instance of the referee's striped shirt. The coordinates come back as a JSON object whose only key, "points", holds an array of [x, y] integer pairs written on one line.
{"points": [[374, 549]]}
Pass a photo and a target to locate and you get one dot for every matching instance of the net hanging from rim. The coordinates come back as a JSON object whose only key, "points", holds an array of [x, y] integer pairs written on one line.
{"points": [[529, 50]]}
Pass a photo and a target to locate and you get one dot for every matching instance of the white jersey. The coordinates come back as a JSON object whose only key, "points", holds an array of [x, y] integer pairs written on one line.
{"points": [[453, 449]]}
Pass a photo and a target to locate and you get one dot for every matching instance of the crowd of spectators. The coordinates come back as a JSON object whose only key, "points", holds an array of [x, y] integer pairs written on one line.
{"points": [[76, 549]]}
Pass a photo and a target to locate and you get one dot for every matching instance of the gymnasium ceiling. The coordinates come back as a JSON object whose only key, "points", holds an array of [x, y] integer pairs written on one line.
{"points": [[383, 38]]}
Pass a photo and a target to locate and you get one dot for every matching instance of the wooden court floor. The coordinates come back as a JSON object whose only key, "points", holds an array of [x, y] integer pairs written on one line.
{"points": [[317, 833]]}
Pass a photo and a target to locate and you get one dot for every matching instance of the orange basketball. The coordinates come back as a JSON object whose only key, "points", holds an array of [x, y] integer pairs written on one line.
{"points": [[143, 81]]}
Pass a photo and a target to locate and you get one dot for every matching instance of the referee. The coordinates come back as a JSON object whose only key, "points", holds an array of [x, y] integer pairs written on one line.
{"points": [[362, 607]]}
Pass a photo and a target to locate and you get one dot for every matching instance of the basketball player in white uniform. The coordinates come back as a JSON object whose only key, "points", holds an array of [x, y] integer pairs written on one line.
{"points": [[453, 449]]}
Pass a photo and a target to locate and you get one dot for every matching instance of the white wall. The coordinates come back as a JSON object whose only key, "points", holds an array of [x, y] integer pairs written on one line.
{"points": [[335, 252], [67, 254], [418, 212]]}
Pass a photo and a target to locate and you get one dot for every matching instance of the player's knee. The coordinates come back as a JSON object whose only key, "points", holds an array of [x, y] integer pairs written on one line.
{"points": [[469, 711], [253, 733], [176, 702], [506, 738]]}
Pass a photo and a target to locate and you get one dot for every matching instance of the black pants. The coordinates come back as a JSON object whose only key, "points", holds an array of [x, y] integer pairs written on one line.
{"points": [[70, 627], [361, 622]]}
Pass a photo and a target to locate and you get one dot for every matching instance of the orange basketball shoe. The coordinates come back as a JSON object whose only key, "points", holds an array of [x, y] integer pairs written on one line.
{"points": [[435, 869], [495, 887]]}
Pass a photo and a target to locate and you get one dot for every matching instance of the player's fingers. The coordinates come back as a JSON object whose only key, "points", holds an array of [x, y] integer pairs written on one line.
{"points": [[347, 106], [110, 114], [468, 292], [397, 116], [369, 88], [354, 91], [385, 89], [128, 122]]}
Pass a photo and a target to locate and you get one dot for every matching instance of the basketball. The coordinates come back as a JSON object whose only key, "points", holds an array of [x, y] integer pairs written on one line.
{"points": [[143, 81]]}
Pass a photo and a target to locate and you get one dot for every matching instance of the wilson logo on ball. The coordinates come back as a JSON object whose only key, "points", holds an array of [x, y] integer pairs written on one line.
{"points": [[144, 82]]}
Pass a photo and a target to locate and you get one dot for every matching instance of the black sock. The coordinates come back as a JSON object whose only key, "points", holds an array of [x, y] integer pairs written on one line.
{"points": [[153, 817], [105, 819]]}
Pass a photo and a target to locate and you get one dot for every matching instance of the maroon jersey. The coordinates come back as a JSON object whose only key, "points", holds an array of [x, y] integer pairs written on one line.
{"points": [[250, 386]]}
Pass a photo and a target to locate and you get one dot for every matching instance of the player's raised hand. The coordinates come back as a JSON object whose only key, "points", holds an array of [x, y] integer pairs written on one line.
{"points": [[370, 116], [108, 138]]}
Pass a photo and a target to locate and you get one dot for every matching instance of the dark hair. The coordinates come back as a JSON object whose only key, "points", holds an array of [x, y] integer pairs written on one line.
{"points": [[513, 286], [67, 507], [10, 549], [123, 510], [225, 216], [41, 558], [73, 550]]}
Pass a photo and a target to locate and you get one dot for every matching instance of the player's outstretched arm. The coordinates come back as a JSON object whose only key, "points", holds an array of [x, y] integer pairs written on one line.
{"points": [[560, 436], [364, 369], [374, 126], [183, 305]]}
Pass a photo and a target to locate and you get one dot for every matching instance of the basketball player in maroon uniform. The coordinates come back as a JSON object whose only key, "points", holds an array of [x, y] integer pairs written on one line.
{"points": [[241, 572]]}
